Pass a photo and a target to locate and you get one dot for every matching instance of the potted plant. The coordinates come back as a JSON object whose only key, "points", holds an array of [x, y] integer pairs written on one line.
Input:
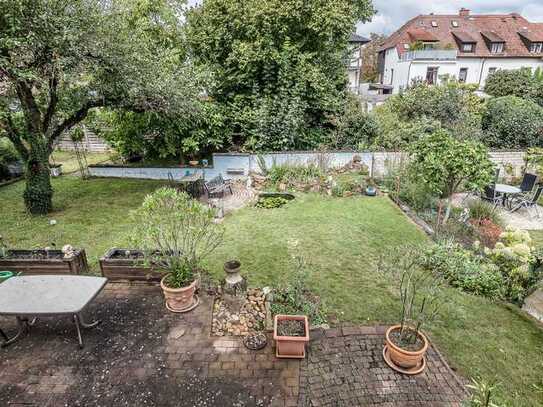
{"points": [[370, 188], [291, 334], [419, 302], [175, 233]]}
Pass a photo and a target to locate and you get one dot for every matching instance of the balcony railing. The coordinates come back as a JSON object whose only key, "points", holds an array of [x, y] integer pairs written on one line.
{"points": [[430, 54]]}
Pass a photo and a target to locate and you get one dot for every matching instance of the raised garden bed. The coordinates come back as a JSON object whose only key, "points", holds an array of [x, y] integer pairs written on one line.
{"points": [[127, 265], [42, 261]]}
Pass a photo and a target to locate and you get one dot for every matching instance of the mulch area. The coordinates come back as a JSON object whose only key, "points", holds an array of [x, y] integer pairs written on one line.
{"points": [[143, 355]]}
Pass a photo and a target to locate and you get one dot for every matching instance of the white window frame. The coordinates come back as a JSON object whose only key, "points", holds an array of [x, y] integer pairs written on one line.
{"points": [[468, 47], [455, 24], [497, 47], [492, 70], [536, 47]]}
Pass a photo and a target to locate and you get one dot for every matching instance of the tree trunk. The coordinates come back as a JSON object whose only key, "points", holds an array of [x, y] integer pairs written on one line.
{"points": [[38, 194], [447, 211]]}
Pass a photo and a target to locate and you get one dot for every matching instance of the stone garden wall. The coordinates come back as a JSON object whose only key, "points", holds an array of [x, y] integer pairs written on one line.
{"points": [[239, 165]]}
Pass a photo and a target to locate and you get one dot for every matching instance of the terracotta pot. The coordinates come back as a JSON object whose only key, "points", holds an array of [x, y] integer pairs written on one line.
{"points": [[193, 163], [180, 299], [402, 358], [292, 347]]}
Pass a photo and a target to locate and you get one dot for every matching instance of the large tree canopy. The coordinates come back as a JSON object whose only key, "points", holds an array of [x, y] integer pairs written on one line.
{"points": [[278, 65], [61, 58]]}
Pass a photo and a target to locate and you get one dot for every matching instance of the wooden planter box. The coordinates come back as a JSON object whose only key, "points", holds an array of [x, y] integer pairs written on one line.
{"points": [[117, 269], [55, 264]]}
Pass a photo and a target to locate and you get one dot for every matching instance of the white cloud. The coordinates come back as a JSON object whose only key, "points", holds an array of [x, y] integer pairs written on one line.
{"points": [[391, 14]]}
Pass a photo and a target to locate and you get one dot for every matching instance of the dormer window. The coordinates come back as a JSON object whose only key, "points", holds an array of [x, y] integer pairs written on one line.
{"points": [[536, 47], [466, 43], [454, 23], [496, 48], [494, 42], [434, 23]]}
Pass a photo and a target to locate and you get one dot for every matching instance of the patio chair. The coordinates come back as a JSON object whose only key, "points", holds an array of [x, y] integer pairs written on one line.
{"points": [[486, 195], [490, 195], [528, 202], [528, 183]]}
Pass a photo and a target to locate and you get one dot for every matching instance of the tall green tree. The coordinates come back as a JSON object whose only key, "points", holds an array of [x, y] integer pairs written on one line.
{"points": [[279, 66], [61, 58], [445, 164]]}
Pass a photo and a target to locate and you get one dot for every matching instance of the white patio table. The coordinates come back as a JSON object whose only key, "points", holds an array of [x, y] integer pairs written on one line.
{"points": [[31, 297], [506, 190]]}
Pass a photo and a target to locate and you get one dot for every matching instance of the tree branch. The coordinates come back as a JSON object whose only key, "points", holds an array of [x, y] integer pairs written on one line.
{"points": [[71, 121], [53, 99], [30, 107]]}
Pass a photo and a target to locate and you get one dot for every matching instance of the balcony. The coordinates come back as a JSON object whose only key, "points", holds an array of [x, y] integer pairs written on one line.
{"points": [[430, 55]]}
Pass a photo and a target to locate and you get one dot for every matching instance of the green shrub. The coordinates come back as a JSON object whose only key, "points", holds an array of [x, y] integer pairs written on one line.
{"points": [[176, 233], [512, 122], [355, 128], [504, 82], [464, 269], [515, 257], [412, 190], [291, 174], [8, 153]]}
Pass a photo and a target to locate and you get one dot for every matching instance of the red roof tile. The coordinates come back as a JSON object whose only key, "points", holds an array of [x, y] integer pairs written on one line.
{"points": [[512, 29]]}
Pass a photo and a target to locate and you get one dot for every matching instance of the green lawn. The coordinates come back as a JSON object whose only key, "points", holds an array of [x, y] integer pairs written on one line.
{"points": [[69, 162], [340, 238]]}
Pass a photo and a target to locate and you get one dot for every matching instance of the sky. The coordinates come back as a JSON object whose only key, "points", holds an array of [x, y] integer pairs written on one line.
{"points": [[391, 14]]}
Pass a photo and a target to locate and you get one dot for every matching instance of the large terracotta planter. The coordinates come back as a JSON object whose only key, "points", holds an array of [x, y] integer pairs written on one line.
{"points": [[402, 360], [180, 299], [291, 347]]}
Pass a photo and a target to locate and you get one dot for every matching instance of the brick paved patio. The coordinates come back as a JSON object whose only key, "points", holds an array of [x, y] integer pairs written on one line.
{"points": [[142, 355]]}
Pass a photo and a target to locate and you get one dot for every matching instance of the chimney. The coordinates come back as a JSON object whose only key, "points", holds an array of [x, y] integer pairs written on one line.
{"points": [[464, 12]]}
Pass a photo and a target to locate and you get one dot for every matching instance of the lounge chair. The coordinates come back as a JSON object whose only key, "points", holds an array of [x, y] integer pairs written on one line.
{"points": [[521, 201]]}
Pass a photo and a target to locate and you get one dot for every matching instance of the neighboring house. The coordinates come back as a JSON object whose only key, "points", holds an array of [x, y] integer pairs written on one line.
{"points": [[468, 47], [354, 66]]}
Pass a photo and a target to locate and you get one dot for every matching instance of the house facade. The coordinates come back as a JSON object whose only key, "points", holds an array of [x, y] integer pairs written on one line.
{"points": [[465, 46], [354, 64]]}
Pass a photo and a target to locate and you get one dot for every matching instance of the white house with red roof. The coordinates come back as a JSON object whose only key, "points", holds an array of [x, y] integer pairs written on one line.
{"points": [[465, 46]]}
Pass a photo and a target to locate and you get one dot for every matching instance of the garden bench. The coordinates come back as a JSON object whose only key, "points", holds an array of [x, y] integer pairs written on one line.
{"points": [[216, 186]]}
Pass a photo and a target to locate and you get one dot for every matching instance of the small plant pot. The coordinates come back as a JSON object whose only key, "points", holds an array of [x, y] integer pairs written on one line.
{"points": [[290, 347], [193, 163], [371, 191], [180, 299], [402, 360]]}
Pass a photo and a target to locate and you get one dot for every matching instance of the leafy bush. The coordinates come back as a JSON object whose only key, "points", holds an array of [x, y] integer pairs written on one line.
{"points": [[512, 122], [404, 184], [176, 233], [291, 174], [354, 128], [464, 269], [514, 256], [8, 155], [396, 133], [487, 231], [453, 105], [504, 82]]}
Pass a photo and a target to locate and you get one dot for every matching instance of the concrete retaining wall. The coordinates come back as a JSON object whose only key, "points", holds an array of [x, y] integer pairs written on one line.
{"points": [[237, 165]]}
